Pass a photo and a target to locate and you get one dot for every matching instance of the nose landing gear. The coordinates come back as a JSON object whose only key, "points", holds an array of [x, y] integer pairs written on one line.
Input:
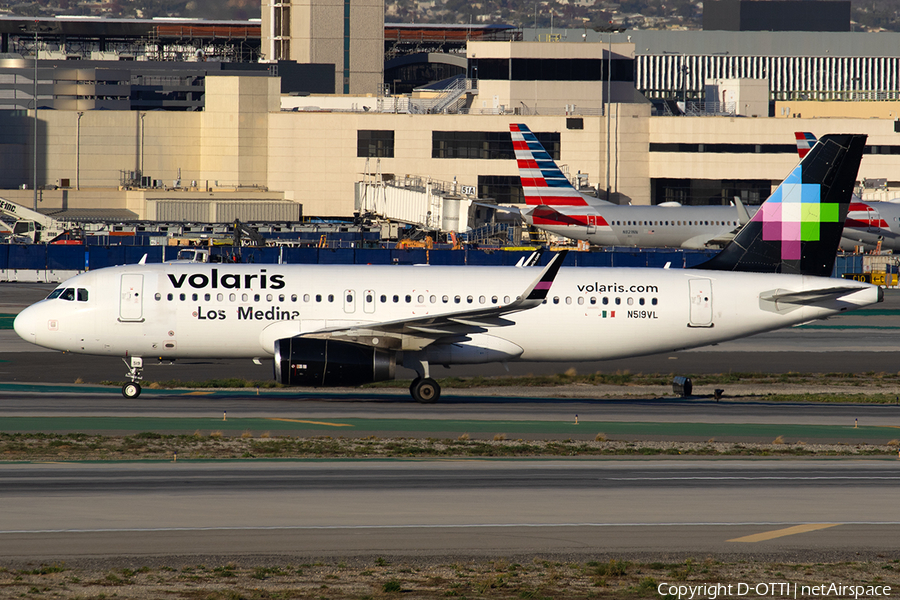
{"points": [[135, 373]]}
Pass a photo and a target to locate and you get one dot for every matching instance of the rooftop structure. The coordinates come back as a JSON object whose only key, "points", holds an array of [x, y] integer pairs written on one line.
{"points": [[131, 39]]}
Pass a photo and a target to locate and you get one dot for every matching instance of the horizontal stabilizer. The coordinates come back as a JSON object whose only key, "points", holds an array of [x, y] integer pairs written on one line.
{"points": [[810, 296]]}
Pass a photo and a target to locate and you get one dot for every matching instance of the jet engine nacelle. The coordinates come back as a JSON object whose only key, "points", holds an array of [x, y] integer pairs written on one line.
{"points": [[314, 362]]}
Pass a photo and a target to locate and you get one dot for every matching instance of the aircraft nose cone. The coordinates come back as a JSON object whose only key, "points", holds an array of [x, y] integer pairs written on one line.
{"points": [[24, 325]]}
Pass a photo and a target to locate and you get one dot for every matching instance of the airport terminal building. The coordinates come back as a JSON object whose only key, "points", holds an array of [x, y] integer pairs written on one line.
{"points": [[693, 117]]}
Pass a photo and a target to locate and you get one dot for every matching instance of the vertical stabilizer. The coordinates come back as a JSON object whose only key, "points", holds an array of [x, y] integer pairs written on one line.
{"points": [[798, 229], [805, 142], [543, 182]]}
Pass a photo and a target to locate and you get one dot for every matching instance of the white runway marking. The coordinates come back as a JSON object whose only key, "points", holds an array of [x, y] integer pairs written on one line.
{"points": [[433, 526]]}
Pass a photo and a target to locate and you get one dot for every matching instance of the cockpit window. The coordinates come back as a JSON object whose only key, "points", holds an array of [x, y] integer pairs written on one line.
{"points": [[70, 294]]}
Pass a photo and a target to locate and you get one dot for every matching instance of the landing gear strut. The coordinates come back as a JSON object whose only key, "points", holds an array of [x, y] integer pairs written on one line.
{"points": [[423, 389], [135, 373]]}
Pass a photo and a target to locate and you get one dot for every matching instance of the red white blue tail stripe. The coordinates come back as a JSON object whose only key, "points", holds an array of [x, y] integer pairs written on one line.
{"points": [[805, 142], [542, 181]]}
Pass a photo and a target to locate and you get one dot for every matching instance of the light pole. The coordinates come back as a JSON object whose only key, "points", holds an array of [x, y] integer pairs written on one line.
{"points": [[78, 151], [609, 30], [141, 158], [35, 140]]}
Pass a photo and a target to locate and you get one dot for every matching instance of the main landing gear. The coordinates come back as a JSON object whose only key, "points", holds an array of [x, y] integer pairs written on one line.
{"points": [[423, 389], [135, 373]]}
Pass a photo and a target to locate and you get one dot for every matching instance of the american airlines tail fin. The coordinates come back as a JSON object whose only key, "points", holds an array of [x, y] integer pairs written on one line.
{"points": [[798, 229], [543, 182], [805, 142]]}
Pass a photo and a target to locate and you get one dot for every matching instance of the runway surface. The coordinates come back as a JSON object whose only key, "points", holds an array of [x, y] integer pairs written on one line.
{"points": [[822, 509], [66, 409]]}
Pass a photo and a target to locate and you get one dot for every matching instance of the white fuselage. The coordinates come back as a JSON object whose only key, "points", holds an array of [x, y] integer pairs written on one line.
{"points": [[645, 226], [231, 311]]}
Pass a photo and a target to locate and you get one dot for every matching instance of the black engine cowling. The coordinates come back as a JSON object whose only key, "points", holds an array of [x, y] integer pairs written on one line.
{"points": [[314, 362]]}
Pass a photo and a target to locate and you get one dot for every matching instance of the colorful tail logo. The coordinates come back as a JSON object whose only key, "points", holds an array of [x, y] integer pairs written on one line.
{"points": [[794, 214], [542, 180], [798, 229]]}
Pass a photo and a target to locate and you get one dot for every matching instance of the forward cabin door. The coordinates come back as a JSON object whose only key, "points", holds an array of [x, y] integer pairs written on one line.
{"points": [[701, 303], [131, 298]]}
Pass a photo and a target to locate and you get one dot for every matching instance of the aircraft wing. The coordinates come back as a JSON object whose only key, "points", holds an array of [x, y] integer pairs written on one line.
{"points": [[705, 241], [514, 210], [418, 332]]}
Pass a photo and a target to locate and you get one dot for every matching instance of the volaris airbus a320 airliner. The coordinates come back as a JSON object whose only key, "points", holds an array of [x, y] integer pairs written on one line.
{"points": [[348, 325]]}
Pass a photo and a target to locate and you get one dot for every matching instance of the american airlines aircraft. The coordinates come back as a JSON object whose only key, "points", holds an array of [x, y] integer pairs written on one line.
{"points": [[326, 325], [868, 222], [556, 206]]}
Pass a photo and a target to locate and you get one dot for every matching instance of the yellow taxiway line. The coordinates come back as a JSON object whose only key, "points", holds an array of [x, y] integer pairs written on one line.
{"points": [[771, 535], [314, 422]]}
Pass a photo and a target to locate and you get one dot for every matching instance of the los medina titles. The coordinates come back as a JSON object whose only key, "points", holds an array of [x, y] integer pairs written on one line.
{"points": [[235, 281]]}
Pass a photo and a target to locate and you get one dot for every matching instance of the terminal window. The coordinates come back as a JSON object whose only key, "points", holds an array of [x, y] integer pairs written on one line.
{"points": [[505, 189], [485, 145], [374, 143]]}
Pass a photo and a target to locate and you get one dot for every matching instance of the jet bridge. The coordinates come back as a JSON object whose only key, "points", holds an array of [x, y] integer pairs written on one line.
{"points": [[428, 203]]}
